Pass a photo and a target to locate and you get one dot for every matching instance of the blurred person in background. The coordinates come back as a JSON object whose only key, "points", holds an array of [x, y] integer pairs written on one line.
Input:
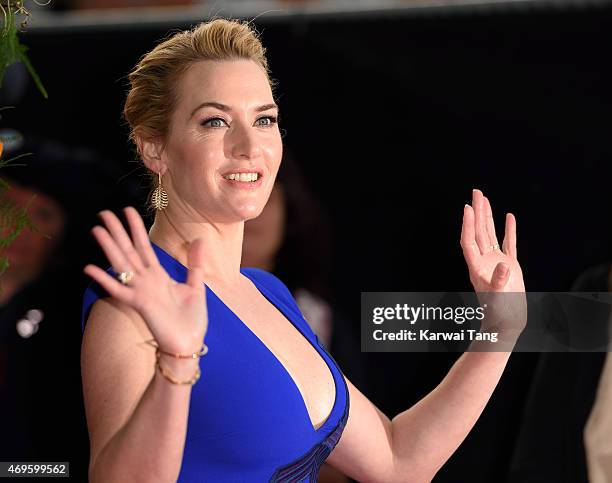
{"points": [[597, 434], [291, 239], [566, 433], [40, 414], [30, 253], [24, 307], [41, 406]]}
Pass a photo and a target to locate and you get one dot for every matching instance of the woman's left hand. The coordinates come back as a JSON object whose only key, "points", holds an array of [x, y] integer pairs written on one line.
{"points": [[494, 270]]}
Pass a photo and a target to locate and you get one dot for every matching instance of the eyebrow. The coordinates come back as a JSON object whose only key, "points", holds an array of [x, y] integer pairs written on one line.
{"points": [[224, 108]]}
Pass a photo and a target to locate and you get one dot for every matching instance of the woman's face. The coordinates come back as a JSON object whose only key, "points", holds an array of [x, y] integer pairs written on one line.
{"points": [[224, 124], [30, 251]]}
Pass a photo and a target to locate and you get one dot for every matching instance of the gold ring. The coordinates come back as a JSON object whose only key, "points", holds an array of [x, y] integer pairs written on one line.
{"points": [[125, 277], [494, 247]]}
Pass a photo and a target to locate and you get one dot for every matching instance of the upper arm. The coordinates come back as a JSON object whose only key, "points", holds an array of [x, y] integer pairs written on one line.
{"points": [[117, 365], [364, 451]]}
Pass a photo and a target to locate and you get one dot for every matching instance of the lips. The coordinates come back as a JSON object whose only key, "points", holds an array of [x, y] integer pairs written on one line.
{"points": [[259, 171], [244, 184]]}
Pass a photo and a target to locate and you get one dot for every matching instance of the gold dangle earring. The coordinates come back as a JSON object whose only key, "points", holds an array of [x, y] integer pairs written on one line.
{"points": [[159, 198]]}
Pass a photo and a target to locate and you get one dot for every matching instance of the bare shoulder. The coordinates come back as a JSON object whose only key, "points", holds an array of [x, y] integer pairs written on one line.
{"points": [[109, 317], [117, 364], [365, 451]]}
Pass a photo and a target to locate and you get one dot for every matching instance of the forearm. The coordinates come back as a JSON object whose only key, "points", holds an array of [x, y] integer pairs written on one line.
{"points": [[149, 447], [427, 434]]}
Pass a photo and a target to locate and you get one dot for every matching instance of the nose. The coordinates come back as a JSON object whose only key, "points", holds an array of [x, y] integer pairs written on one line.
{"points": [[244, 142]]}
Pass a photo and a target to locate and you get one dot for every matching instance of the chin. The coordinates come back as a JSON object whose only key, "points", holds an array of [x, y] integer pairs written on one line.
{"points": [[249, 212]]}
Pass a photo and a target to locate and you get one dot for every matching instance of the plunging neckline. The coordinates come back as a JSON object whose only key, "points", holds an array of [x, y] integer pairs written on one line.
{"points": [[276, 304]]}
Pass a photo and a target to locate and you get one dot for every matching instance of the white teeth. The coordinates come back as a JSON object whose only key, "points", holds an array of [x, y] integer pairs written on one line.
{"points": [[245, 177]]}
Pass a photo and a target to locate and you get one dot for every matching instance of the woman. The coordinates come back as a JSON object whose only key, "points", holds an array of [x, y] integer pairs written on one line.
{"points": [[270, 404]]}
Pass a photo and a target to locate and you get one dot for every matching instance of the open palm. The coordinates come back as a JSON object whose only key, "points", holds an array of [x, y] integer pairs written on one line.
{"points": [[493, 270], [174, 312]]}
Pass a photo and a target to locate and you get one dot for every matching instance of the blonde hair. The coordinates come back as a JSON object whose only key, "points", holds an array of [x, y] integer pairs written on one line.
{"points": [[152, 95]]}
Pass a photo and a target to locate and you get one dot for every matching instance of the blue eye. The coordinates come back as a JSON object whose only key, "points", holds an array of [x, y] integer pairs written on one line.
{"points": [[214, 122], [272, 120], [217, 122]]}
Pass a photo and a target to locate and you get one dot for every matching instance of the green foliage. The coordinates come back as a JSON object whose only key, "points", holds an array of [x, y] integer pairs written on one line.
{"points": [[4, 264], [11, 49], [7, 162], [13, 218]]}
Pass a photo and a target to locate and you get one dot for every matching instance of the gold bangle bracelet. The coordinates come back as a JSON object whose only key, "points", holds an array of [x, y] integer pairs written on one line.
{"points": [[195, 355], [168, 375]]}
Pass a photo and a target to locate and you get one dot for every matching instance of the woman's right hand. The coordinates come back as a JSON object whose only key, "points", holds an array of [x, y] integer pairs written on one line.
{"points": [[174, 312]]}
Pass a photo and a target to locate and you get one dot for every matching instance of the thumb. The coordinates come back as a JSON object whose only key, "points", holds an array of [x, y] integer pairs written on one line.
{"points": [[195, 263], [500, 277]]}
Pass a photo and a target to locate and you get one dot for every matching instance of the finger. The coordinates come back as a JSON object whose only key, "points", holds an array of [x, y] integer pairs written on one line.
{"points": [[110, 284], [509, 245], [500, 277], [140, 237], [482, 239], [122, 239], [490, 223], [195, 262], [471, 252], [113, 253]]}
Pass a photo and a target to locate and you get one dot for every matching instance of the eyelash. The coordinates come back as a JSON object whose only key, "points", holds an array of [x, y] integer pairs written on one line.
{"points": [[273, 120]]}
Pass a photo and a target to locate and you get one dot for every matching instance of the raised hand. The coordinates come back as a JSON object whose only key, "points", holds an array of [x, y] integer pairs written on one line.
{"points": [[494, 270], [174, 312]]}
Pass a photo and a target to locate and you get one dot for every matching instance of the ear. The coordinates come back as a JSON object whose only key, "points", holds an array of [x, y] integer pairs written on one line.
{"points": [[151, 153]]}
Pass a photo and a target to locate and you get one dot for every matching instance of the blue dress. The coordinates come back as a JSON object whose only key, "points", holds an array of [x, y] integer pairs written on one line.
{"points": [[247, 419]]}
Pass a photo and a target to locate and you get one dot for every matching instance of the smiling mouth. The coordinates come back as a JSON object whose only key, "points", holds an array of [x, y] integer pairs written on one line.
{"points": [[243, 177]]}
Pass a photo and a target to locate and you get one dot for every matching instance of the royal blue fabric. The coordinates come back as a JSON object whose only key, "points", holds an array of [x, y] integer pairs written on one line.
{"points": [[247, 419]]}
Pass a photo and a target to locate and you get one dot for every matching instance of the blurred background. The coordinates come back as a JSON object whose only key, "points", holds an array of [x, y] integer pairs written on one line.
{"points": [[393, 111]]}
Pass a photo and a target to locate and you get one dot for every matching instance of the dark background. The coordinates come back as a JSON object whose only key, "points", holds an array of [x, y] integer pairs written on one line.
{"points": [[395, 118]]}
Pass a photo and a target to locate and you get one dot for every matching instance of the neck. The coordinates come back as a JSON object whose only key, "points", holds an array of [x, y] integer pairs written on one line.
{"points": [[222, 243]]}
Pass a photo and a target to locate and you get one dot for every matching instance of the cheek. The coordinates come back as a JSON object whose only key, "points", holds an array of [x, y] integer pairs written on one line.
{"points": [[35, 243], [274, 152], [42, 246], [197, 164]]}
